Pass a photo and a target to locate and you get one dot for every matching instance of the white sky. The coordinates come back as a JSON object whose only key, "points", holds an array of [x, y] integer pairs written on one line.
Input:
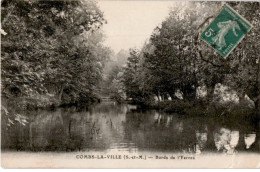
{"points": [[130, 23]]}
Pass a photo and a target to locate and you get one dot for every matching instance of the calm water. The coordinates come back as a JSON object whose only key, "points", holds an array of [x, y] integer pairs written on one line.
{"points": [[109, 126]]}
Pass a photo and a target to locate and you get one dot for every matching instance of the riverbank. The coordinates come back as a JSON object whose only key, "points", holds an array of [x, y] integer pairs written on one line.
{"points": [[202, 108], [18, 110], [44, 102]]}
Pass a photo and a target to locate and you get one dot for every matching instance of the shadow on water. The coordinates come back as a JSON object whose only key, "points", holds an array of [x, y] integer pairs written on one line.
{"points": [[109, 126]]}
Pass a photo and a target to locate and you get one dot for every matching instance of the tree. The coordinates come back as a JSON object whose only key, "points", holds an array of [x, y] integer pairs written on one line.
{"points": [[176, 60], [130, 73], [245, 60], [51, 48]]}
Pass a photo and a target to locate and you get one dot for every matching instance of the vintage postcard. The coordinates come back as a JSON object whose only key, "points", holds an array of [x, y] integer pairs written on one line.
{"points": [[130, 84]]}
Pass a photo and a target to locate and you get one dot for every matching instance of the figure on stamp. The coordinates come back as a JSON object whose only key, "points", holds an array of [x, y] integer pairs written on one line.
{"points": [[225, 26]]}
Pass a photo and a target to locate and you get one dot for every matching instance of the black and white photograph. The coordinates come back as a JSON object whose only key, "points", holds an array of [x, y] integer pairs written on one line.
{"points": [[130, 84]]}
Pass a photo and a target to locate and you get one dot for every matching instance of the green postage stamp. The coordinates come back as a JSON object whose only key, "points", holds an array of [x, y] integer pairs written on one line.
{"points": [[226, 31]]}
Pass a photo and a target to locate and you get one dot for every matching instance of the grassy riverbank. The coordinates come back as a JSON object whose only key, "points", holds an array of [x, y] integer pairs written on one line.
{"points": [[201, 108]]}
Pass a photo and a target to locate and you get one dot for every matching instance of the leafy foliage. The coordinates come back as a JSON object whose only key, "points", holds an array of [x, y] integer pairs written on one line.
{"points": [[175, 63], [52, 52], [51, 47]]}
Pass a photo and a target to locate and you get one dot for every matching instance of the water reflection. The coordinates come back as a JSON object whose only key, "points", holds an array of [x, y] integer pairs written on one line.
{"points": [[201, 140], [108, 126], [226, 140], [249, 139]]}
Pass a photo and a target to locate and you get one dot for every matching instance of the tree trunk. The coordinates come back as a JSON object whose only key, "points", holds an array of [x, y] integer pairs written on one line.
{"points": [[172, 95], [60, 94], [241, 97], [30, 135], [189, 93], [257, 108], [210, 93], [158, 97], [257, 101]]}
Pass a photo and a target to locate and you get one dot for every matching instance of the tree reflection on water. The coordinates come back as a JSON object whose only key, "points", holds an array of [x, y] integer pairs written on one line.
{"points": [[108, 126]]}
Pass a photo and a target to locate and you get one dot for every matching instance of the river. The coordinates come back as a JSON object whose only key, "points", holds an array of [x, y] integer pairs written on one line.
{"points": [[110, 126]]}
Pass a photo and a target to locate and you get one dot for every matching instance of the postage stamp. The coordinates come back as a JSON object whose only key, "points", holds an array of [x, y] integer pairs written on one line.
{"points": [[226, 31]]}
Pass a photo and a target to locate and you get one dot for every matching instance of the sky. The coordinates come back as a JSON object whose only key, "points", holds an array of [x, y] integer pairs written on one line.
{"points": [[130, 23]]}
